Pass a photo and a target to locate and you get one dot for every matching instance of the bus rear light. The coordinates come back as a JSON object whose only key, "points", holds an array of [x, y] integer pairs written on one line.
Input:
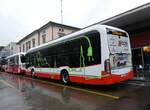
{"points": [[107, 66]]}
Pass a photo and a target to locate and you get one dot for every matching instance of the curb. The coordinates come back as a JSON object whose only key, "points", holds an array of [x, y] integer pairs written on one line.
{"points": [[142, 79]]}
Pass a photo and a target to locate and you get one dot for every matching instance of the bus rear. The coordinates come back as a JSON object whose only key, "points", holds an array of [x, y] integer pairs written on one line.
{"points": [[118, 67], [15, 64]]}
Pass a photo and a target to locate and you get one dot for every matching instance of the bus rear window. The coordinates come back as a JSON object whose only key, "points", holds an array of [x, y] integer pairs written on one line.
{"points": [[118, 41], [117, 33]]}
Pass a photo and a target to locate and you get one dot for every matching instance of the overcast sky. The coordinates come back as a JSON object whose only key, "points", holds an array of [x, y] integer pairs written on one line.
{"points": [[18, 18]]}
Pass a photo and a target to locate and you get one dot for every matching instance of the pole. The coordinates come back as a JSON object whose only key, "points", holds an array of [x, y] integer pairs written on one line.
{"points": [[142, 57], [61, 13]]}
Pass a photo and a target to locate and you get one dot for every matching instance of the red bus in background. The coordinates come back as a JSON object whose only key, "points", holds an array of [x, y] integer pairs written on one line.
{"points": [[14, 63]]}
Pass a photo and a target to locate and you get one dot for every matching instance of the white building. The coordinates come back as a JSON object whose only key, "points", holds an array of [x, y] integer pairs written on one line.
{"points": [[10, 49]]}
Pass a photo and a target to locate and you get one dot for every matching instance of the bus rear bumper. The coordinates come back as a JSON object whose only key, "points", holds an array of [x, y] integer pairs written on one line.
{"points": [[112, 79]]}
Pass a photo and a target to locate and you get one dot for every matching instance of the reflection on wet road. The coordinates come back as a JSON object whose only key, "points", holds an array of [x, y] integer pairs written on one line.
{"points": [[23, 93]]}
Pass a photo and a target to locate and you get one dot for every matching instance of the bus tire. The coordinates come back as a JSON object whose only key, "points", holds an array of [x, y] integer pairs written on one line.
{"points": [[32, 73], [65, 77]]}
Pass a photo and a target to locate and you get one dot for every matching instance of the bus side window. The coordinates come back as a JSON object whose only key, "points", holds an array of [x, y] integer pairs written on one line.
{"points": [[23, 58], [91, 48], [73, 52], [27, 61]]}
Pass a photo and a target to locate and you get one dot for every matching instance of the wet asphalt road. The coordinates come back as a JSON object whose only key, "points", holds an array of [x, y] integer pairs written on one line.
{"points": [[24, 93]]}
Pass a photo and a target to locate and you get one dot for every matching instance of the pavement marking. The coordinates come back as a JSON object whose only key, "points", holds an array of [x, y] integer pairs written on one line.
{"points": [[79, 89], [137, 84], [93, 92], [6, 83]]}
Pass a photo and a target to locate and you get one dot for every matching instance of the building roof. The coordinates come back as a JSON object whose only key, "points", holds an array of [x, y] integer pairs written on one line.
{"points": [[45, 26], [57, 24], [133, 21], [26, 37]]}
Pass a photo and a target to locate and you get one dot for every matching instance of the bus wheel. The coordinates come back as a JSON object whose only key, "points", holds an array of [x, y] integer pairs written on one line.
{"points": [[32, 73], [65, 77]]}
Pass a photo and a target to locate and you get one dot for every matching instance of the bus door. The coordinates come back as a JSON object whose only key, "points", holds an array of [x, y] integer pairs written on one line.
{"points": [[76, 59]]}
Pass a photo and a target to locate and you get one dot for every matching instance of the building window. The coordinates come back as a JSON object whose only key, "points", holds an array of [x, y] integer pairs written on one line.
{"points": [[44, 38], [33, 42], [29, 44], [20, 49], [23, 48], [12, 48], [61, 30], [43, 32], [26, 46]]}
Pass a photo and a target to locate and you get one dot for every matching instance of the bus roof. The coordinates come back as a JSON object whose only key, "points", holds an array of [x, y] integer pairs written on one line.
{"points": [[72, 35], [20, 53]]}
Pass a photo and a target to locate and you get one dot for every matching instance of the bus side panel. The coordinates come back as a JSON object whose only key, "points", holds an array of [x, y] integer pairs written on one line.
{"points": [[28, 72], [77, 79], [108, 80], [104, 47], [94, 70], [39, 72], [48, 75], [16, 69]]}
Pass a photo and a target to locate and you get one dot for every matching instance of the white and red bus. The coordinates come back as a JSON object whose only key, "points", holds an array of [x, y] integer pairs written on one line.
{"points": [[14, 63], [96, 55]]}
